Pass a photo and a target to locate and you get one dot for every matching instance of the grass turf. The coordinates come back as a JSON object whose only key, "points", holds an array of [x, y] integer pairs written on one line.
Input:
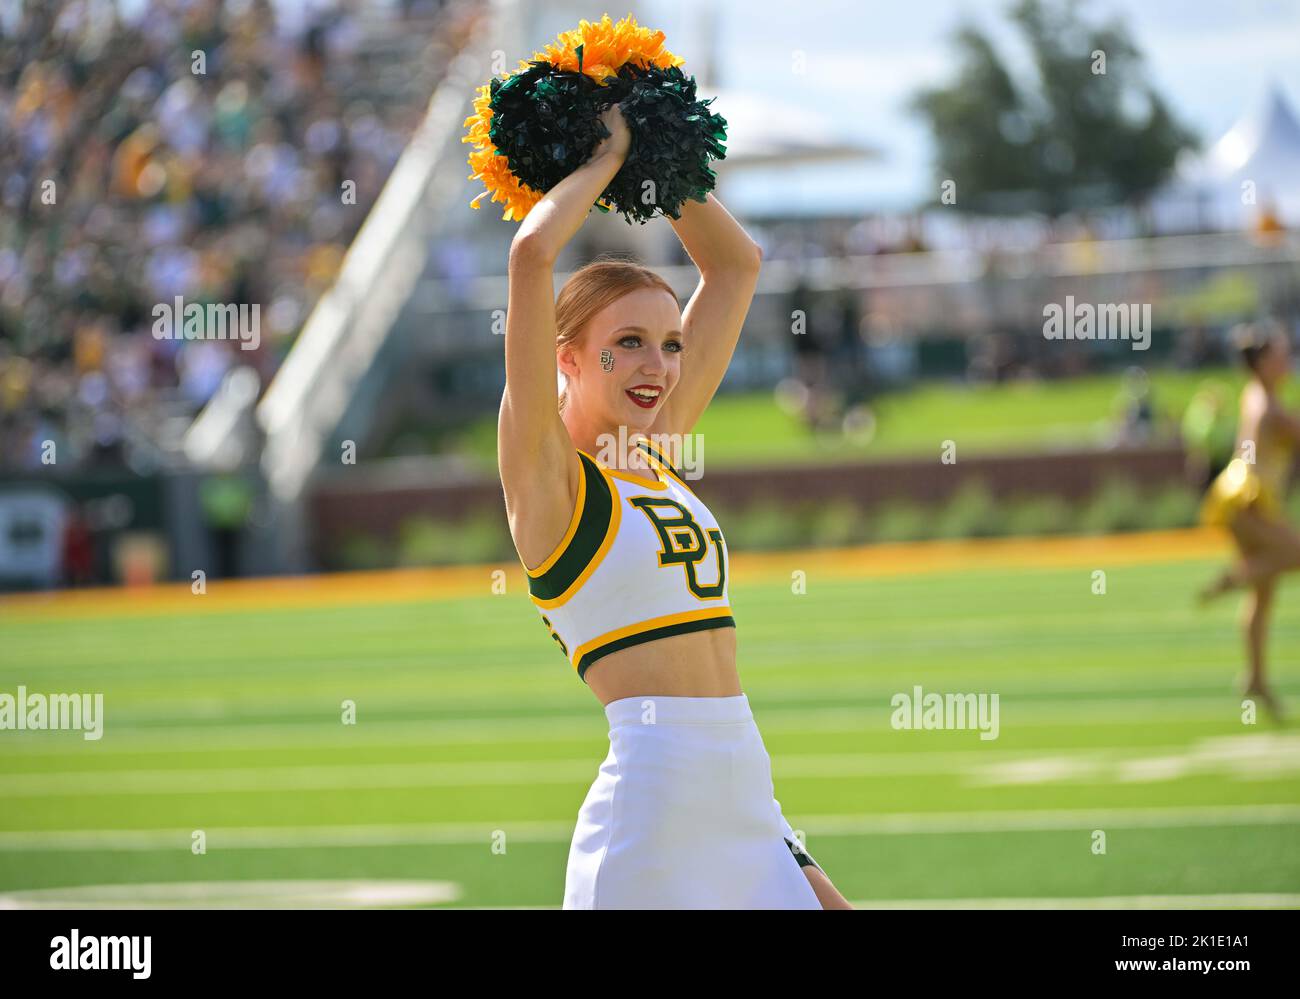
{"points": [[746, 428], [1117, 713]]}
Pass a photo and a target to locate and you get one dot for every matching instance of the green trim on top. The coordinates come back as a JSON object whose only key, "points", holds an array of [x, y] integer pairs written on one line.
{"points": [[656, 453], [684, 628], [587, 538]]}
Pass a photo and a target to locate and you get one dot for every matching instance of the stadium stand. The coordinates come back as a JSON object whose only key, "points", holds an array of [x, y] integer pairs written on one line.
{"points": [[216, 152]]}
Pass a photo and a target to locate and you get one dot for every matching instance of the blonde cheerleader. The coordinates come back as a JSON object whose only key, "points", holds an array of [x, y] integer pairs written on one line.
{"points": [[626, 565], [1247, 496]]}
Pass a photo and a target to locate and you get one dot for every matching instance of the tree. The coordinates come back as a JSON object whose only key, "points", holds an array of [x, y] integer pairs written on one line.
{"points": [[1090, 131]]}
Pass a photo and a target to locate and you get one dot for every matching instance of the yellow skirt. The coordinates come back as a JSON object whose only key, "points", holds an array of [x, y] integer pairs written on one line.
{"points": [[1236, 488]]}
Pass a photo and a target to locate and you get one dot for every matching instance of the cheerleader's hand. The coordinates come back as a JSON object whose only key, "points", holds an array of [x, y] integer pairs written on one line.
{"points": [[619, 140]]}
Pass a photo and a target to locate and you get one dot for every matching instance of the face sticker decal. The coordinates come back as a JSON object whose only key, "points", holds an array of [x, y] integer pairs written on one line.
{"points": [[607, 360]]}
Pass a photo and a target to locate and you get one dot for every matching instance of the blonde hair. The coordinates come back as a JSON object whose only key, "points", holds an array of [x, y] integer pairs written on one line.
{"points": [[590, 289]]}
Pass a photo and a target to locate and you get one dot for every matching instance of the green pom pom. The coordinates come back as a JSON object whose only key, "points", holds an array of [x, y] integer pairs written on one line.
{"points": [[674, 137], [546, 122]]}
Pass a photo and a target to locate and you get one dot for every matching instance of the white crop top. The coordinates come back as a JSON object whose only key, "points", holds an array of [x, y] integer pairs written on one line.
{"points": [[641, 560]]}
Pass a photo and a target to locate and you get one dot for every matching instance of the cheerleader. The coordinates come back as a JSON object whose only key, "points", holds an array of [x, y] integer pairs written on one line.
{"points": [[1247, 496], [627, 566]]}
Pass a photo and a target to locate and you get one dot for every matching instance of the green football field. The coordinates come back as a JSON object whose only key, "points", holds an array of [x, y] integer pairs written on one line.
{"points": [[1122, 772]]}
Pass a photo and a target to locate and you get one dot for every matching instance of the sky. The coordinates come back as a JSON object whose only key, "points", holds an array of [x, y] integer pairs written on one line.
{"points": [[1210, 59]]}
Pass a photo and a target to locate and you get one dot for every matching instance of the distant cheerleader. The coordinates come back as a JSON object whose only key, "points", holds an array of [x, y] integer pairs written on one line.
{"points": [[1247, 496]]}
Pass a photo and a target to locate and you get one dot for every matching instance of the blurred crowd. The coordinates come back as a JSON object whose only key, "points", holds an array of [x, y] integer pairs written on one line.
{"points": [[224, 152]]}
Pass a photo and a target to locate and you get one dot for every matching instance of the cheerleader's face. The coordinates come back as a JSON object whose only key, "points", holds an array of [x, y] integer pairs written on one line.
{"points": [[628, 361]]}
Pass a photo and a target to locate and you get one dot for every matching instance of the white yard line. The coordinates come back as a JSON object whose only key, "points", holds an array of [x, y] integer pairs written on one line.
{"points": [[1257, 756], [328, 776], [236, 895], [126, 738], [482, 833]]}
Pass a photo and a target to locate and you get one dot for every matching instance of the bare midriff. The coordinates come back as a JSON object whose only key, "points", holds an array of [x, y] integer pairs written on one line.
{"points": [[699, 664]]}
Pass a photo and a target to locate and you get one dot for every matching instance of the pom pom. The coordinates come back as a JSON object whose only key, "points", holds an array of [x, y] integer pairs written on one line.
{"points": [[674, 136], [534, 128]]}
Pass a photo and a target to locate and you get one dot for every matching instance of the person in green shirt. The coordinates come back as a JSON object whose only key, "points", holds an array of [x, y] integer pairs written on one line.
{"points": [[226, 499]]}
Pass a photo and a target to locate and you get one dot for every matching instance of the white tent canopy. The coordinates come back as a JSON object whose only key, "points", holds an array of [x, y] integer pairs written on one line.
{"points": [[1261, 150], [765, 132]]}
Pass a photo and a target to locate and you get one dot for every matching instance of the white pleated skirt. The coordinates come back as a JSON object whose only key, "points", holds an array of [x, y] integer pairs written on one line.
{"points": [[682, 814]]}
